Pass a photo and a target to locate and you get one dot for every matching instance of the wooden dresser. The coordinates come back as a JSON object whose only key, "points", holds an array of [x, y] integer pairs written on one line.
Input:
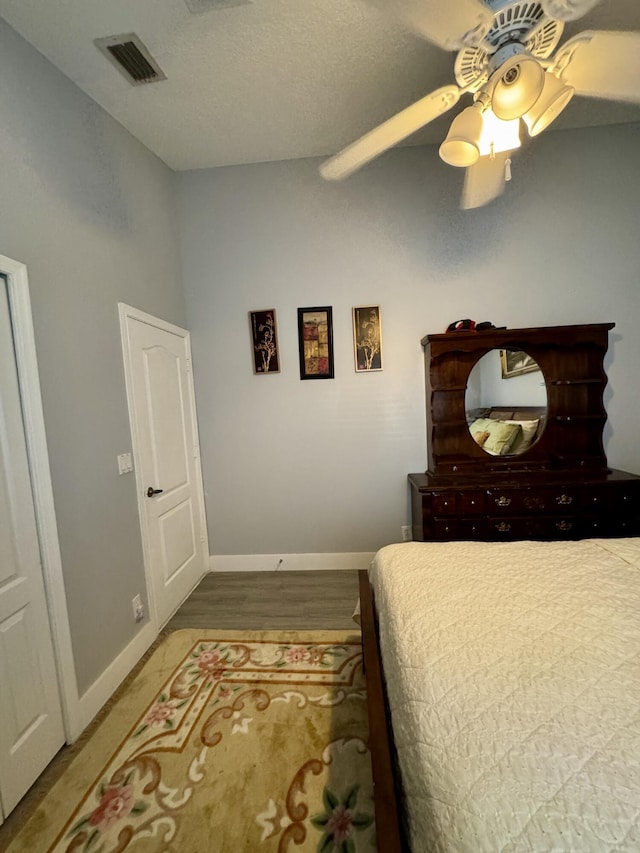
{"points": [[535, 506], [559, 488]]}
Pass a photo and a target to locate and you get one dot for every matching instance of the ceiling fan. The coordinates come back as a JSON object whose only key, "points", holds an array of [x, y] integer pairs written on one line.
{"points": [[505, 59]]}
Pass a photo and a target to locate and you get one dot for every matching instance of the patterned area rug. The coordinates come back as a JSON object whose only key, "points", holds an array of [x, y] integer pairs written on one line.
{"points": [[224, 742]]}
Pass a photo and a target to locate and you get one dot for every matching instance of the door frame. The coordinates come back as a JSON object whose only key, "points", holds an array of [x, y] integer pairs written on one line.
{"points": [[126, 313], [42, 489]]}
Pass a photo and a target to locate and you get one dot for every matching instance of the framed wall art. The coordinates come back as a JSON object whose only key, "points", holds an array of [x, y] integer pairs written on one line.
{"points": [[315, 342], [264, 341], [367, 338], [515, 363]]}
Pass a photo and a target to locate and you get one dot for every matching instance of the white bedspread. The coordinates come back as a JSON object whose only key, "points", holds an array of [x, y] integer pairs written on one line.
{"points": [[513, 673]]}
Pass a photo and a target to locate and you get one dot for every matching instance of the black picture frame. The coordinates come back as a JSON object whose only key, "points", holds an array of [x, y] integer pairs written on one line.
{"points": [[264, 342], [315, 342]]}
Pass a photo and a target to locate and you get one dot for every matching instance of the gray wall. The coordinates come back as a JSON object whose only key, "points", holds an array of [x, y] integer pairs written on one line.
{"points": [[92, 214], [320, 466]]}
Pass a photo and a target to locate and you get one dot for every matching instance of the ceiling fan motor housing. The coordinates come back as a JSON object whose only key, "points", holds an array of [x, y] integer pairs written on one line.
{"points": [[518, 27]]}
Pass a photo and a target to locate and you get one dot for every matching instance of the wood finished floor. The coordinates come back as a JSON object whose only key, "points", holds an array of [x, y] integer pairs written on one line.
{"points": [[271, 600], [243, 601]]}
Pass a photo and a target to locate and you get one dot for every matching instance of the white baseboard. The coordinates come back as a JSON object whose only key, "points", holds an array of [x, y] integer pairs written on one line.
{"points": [[289, 562], [108, 682]]}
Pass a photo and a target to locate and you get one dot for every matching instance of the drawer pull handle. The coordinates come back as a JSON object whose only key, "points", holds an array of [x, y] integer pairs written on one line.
{"points": [[534, 502], [564, 500], [564, 525], [503, 527], [502, 501]]}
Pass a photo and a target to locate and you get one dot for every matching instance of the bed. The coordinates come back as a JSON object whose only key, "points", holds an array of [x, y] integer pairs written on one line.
{"points": [[505, 703]]}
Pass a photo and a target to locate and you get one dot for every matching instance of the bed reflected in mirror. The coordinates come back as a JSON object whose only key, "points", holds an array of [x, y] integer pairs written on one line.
{"points": [[506, 402]]}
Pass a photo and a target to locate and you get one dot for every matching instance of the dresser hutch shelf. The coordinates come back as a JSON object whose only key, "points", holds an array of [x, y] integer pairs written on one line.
{"points": [[561, 487]]}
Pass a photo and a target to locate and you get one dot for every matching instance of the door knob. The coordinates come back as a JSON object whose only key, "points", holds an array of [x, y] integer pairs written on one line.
{"points": [[151, 491]]}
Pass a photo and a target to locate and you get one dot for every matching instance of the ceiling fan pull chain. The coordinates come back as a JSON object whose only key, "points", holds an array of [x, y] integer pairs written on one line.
{"points": [[507, 169], [492, 153]]}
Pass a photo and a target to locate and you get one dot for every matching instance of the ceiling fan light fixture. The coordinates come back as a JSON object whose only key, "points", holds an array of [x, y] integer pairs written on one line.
{"points": [[498, 135], [516, 86], [554, 98], [462, 146]]}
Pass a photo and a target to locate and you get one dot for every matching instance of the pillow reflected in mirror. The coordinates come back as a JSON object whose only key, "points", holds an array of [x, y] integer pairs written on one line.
{"points": [[496, 437], [529, 432]]}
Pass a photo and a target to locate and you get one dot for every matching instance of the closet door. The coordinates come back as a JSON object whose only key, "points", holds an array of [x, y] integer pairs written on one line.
{"points": [[162, 408], [31, 730]]}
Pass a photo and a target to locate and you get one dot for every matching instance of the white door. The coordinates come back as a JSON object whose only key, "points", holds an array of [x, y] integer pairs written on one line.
{"points": [[166, 451], [31, 728]]}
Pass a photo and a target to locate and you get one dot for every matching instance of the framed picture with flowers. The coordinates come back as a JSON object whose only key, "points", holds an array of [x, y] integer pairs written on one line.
{"points": [[264, 341], [315, 343]]}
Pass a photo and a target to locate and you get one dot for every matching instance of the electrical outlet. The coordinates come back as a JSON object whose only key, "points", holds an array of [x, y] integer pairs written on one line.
{"points": [[406, 533], [138, 608]]}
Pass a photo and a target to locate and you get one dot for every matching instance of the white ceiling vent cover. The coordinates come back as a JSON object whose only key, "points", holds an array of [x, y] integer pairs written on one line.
{"points": [[131, 58], [197, 7]]}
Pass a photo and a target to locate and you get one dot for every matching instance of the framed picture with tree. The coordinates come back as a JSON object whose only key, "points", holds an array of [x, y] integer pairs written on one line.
{"points": [[264, 341], [367, 338]]}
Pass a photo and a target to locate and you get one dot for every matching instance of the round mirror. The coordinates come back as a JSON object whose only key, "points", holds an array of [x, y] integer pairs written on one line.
{"points": [[506, 402]]}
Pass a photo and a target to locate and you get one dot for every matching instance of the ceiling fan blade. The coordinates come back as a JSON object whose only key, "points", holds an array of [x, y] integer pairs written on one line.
{"points": [[484, 181], [451, 24], [602, 64], [568, 10], [390, 132]]}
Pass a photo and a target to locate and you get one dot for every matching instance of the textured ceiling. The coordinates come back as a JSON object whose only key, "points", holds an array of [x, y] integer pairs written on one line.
{"points": [[267, 80]]}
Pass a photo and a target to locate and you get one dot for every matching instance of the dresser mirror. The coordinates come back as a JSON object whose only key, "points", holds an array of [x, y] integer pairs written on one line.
{"points": [[506, 402], [553, 374]]}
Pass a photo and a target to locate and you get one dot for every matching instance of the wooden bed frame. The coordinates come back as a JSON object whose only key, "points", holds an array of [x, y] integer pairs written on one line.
{"points": [[386, 779]]}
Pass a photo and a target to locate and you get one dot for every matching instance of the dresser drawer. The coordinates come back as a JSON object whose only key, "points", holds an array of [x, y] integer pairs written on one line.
{"points": [[540, 500], [534, 527], [595, 499], [624, 498], [446, 528], [471, 503], [443, 503], [473, 527], [505, 501], [623, 525], [595, 526]]}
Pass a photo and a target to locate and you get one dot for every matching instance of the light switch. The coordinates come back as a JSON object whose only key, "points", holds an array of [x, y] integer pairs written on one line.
{"points": [[125, 463]]}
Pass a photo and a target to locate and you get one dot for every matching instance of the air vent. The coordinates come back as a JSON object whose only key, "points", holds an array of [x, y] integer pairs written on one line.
{"points": [[131, 58]]}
